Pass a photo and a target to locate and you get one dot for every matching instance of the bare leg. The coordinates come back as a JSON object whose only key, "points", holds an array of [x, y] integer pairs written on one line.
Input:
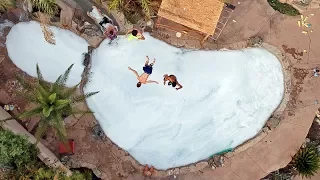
{"points": [[147, 61], [154, 61]]}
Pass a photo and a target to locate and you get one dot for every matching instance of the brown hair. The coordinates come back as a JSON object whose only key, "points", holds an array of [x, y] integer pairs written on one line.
{"points": [[138, 84]]}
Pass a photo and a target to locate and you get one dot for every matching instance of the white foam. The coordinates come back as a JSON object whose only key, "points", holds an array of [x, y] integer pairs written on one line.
{"points": [[226, 99], [27, 47]]}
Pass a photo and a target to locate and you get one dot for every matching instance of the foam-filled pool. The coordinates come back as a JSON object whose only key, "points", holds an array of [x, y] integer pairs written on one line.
{"points": [[226, 98]]}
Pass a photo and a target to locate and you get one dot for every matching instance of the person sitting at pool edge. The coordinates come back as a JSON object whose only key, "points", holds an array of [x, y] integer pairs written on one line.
{"points": [[135, 34], [172, 81], [143, 79]]}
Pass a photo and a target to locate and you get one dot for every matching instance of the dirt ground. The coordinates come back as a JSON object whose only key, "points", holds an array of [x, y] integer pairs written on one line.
{"points": [[253, 17]]}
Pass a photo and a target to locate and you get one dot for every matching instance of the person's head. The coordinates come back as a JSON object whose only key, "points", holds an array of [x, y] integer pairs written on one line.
{"points": [[174, 84], [138, 84], [134, 32]]}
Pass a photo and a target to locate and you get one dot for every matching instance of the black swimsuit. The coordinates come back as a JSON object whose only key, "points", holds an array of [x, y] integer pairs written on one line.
{"points": [[105, 20], [173, 84]]}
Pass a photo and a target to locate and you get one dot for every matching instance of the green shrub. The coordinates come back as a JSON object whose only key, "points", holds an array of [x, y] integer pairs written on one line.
{"points": [[15, 150], [283, 8], [45, 173], [307, 161]]}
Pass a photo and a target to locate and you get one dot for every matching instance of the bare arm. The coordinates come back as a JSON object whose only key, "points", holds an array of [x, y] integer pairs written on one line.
{"points": [[129, 31], [134, 71], [165, 79], [180, 86], [150, 81]]}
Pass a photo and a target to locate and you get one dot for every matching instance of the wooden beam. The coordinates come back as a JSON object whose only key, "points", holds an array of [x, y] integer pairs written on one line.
{"points": [[204, 39]]}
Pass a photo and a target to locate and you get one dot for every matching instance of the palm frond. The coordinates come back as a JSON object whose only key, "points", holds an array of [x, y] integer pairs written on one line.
{"points": [[58, 123], [39, 74], [74, 112], [115, 4], [46, 111], [40, 79], [145, 4], [23, 83], [42, 92], [32, 112], [81, 98], [69, 92], [46, 6], [29, 96], [65, 76], [61, 103], [55, 86], [41, 129], [6, 4]]}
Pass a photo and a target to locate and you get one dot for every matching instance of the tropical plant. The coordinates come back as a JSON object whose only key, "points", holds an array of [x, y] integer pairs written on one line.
{"points": [[49, 7], [145, 4], [307, 161], [132, 9], [15, 150], [45, 173], [283, 8], [54, 101], [5, 4]]}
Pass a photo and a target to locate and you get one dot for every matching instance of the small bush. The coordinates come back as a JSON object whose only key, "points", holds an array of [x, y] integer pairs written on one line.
{"points": [[15, 150], [45, 174], [283, 8], [307, 161]]}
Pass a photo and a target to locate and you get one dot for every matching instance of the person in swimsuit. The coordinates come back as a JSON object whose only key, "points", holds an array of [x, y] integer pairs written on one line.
{"points": [[135, 34], [172, 81], [109, 30], [143, 79]]}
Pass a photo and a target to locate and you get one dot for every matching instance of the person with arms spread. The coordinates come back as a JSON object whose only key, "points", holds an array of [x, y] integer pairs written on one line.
{"points": [[143, 78]]}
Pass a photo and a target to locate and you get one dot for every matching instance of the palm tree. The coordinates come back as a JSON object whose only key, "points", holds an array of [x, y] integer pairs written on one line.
{"points": [[5, 4], [49, 7], [53, 102], [307, 161]]}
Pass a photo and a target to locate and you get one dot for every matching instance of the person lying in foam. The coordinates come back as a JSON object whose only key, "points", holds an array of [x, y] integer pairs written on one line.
{"points": [[143, 78], [109, 30]]}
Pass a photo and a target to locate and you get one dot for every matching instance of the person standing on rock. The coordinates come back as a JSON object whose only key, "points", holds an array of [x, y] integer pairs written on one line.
{"points": [[143, 79]]}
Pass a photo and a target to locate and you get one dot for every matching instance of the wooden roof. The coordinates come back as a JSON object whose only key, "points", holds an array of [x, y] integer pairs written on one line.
{"points": [[201, 15]]}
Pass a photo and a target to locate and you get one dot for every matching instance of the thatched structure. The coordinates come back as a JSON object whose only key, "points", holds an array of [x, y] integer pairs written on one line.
{"points": [[201, 15]]}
